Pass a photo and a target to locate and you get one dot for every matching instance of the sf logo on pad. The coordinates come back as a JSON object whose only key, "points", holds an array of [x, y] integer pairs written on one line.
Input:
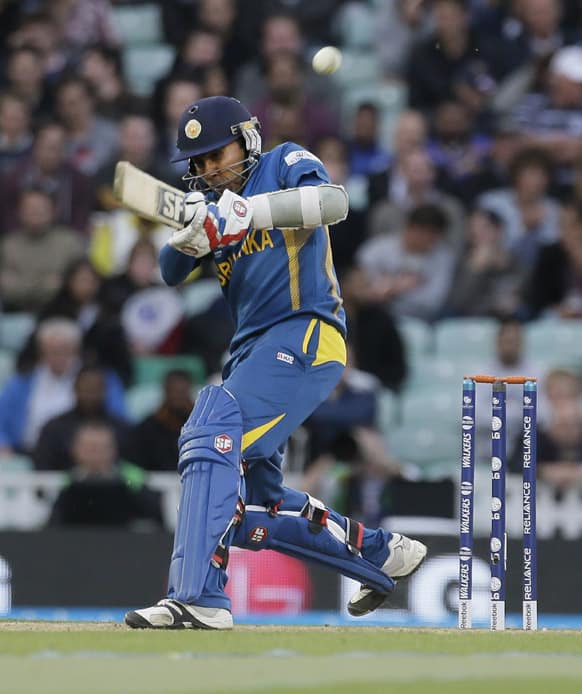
{"points": [[223, 443]]}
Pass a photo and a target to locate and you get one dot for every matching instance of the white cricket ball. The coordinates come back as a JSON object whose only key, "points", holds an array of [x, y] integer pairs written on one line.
{"points": [[327, 60]]}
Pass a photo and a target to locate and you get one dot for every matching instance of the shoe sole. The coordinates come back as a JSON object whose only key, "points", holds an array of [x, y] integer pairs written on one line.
{"points": [[375, 598], [136, 621]]}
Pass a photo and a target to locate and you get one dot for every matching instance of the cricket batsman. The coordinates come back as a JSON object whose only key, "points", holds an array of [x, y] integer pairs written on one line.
{"points": [[287, 354]]}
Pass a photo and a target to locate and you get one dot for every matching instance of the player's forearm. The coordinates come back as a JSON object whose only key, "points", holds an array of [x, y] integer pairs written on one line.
{"points": [[175, 266], [306, 206]]}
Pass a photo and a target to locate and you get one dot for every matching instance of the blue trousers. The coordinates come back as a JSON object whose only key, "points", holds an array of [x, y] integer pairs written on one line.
{"points": [[278, 379]]}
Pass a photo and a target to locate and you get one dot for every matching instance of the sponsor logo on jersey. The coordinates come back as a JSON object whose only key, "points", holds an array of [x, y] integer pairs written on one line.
{"points": [[287, 358], [223, 443], [258, 534], [193, 128], [294, 157]]}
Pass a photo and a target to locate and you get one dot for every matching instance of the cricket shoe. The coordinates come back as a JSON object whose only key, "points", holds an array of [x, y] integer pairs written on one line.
{"points": [[171, 614], [404, 558]]}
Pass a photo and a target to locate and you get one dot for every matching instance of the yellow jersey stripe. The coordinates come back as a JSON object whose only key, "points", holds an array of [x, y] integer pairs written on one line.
{"points": [[329, 271], [255, 434], [331, 347], [295, 239], [308, 334]]}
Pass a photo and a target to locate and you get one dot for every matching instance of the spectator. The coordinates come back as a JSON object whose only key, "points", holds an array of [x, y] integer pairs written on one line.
{"points": [[411, 270], [560, 386], [524, 36], [15, 135], [101, 66], [141, 273], [366, 155], [555, 285], [215, 81], [24, 77], [115, 233], [280, 35], [288, 112], [347, 416], [84, 22], [91, 140], [487, 279], [202, 48], [28, 400], [399, 24], [353, 403], [208, 333], [48, 169], [11, 18], [451, 63], [460, 154], [116, 230], [155, 439], [552, 119], [177, 95], [542, 33], [104, 490], [364, 489], [530, 216], [221, 18], [151, 315], [348, 235], [510, 358], [52, 450], [34, 257], [417, 186], [39, 31], [137, 142], [560, 447], [200, 51], [78, 298], [410, 133], [376, 345], [312, 17]]}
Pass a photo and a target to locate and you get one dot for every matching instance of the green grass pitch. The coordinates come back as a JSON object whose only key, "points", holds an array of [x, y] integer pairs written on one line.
{"points": [[83, 658]]}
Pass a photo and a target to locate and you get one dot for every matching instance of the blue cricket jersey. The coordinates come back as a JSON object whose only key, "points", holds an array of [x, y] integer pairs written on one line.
{"points": [[273, 274]]}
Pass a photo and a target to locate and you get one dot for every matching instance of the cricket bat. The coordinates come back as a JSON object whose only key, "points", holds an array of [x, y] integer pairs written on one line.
{"points": [[305, 207]]}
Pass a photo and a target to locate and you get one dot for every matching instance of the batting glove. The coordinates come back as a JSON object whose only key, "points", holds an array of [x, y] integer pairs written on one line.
{"points": [[192, 239], [236, 213]]}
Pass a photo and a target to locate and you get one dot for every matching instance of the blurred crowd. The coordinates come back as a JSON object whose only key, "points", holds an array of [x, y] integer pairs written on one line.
{"points": [[456, 127]]}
